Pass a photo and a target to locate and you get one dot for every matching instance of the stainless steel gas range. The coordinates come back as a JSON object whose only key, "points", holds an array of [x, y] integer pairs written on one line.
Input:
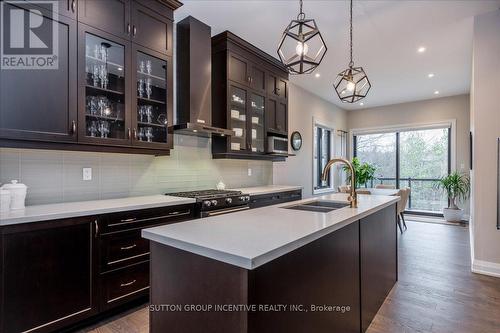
{"points": [[216, 202]]}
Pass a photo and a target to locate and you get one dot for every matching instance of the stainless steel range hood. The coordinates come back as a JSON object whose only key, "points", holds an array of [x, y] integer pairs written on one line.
{"points": [[194, 80]]}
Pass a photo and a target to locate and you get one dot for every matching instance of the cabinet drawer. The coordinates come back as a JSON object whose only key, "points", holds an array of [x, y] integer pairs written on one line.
{"points": [[121, 249], [138, 219], [125, 284]]}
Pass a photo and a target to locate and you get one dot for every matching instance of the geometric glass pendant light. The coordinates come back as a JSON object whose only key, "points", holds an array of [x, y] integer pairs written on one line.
{"points": [[352, 84], [301, 48]]}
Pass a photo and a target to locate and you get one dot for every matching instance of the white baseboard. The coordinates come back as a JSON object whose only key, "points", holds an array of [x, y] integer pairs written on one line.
{"points": [[485, 268]]}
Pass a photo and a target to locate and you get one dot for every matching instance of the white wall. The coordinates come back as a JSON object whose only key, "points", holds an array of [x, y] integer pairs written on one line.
{"points": [[303, 107], [485, 124], [422, 112]]}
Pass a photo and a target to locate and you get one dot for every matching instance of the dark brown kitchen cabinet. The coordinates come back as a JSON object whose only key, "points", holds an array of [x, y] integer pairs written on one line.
{"points": [[277, 117], [56, 274], [68, 8], [104, 88], [241, 99], [40, 104], [152, 26], [92, 102], [277, 86], [152, 98], [47, 274], [112, 16]]}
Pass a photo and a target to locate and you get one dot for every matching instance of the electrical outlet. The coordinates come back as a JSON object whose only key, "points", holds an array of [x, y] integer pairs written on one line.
{"points": [[87, 173], [249, 172]]}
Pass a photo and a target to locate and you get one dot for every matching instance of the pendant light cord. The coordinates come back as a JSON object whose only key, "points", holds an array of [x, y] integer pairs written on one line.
{"points": [[350, 32], [301, 15]]}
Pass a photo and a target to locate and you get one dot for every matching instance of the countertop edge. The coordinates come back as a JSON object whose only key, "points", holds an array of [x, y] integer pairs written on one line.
{"points": [[285, 188], [199, 250], [9, 221], [252, 263]]}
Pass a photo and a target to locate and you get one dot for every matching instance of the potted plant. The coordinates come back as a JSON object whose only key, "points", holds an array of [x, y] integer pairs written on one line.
{"points": [[364, 172], [456, 186]]}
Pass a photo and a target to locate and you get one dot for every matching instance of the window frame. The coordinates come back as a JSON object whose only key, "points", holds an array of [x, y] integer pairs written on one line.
{"points": [[315, 165]]}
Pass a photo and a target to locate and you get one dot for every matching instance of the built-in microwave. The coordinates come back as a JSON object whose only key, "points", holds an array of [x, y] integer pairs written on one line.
{"points": [[277, 145]]}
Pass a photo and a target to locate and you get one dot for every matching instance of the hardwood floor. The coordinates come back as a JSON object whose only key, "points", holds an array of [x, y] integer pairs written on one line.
{"points": [[436, 292]]}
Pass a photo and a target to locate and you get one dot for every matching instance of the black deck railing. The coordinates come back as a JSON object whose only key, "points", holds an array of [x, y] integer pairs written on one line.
{"points": [[402, 182]]}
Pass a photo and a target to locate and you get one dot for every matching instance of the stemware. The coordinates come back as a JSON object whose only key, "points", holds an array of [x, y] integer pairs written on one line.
{"points": [[95, 75], [149, 114], [104, 128], [141, 66], [140, 134], [140, 87], [149, 89], [148, 67], [103, 76], [93, 129], [148, 133], [97, 52]]}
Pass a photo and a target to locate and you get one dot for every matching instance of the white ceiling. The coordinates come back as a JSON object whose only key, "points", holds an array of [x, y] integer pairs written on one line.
{"points": [[386, 37]]}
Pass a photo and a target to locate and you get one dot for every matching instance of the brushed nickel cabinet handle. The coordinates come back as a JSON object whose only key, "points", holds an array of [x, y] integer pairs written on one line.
{"points": [[128, 28], [123, 248], [128, 283], [135, 31], [73, 127], [135, 133], [96, 228], [73, 6], [129, 133], [128, 220]]}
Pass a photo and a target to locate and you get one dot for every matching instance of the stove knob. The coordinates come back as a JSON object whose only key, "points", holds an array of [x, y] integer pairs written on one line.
{"points": [[229, 200], [214, 202], [247, 198], [207, 203], [242, 198]]}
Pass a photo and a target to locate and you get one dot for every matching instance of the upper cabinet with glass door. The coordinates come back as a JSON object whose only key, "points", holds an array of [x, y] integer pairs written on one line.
{"points": [[152, 98], [105, 116]]}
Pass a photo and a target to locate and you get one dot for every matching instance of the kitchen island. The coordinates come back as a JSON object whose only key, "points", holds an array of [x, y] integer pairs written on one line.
{"points": [[285, 268]]}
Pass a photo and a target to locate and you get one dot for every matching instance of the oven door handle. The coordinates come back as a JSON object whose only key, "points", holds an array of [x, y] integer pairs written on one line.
{"points": [[225, 211]]}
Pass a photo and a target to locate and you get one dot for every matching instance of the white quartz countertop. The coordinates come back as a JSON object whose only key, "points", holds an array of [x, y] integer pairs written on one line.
{"points": [[251, 238], [84, 208], [256, 190]]}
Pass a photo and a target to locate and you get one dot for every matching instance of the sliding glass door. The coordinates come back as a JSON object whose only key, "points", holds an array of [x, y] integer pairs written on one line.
{"points": [[409, 158]]}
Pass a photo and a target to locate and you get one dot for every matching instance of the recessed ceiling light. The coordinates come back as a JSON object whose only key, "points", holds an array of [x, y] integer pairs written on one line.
{"points": [[361, 103], [436, 92], [430, 75], [317, 74], [421, 49]]}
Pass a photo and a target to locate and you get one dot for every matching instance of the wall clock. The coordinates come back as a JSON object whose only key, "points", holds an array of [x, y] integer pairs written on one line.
{"points": [[296, 140]]}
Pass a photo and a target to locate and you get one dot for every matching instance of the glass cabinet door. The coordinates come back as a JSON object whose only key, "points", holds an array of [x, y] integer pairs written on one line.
{"points": [[256, 121], [238, 113], [151, 95], [104, 89]]}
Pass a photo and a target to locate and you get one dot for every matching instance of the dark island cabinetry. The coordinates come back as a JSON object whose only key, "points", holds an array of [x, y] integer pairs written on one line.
{"points": [[268, 199], [249, 96], [113, 87]]}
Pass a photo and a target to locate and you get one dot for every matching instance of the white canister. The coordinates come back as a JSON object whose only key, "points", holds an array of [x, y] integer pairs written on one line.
{"points": [[4, 200], [17, 194]]}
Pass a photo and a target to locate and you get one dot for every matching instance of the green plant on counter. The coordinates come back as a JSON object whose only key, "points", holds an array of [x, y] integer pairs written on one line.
{"points": [[456, 186], [364, 172]]}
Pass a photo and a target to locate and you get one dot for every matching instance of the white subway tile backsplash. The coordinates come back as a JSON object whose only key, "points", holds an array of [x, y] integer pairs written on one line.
{"points": [[56, 176]]}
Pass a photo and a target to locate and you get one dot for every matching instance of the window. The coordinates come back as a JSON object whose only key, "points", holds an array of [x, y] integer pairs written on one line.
{"points": [[322, 153], [410, 157]]}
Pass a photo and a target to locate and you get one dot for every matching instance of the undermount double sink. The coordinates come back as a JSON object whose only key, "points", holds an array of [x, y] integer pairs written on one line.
{"points": [[319, 206]]}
